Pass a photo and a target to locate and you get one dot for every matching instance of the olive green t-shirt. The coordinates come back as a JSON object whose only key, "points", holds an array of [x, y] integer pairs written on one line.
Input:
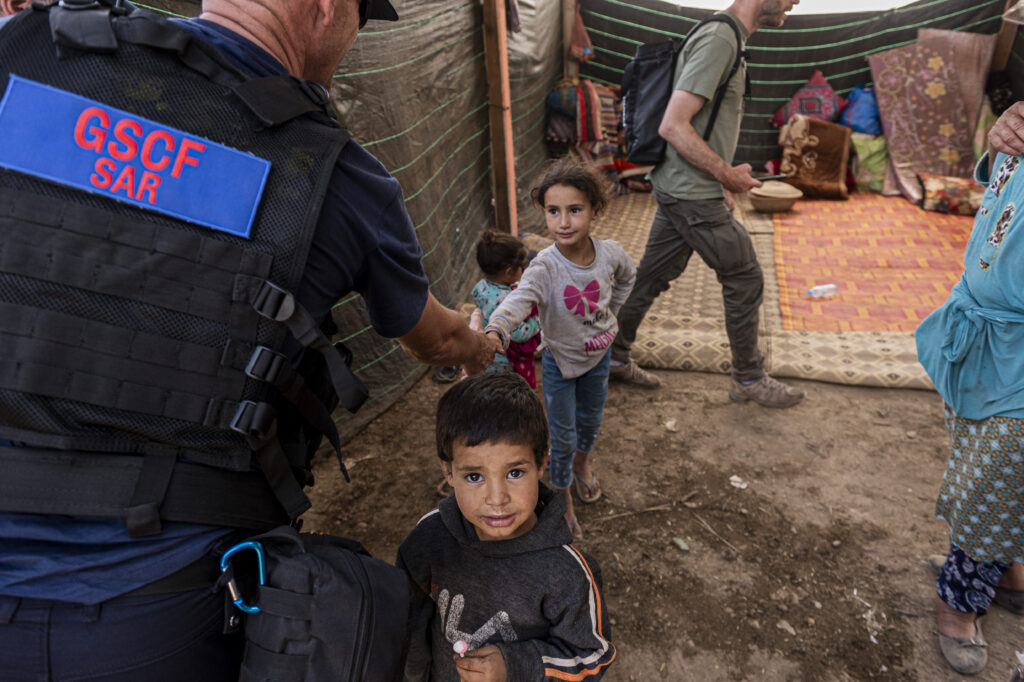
{"points": [[703, 65]]}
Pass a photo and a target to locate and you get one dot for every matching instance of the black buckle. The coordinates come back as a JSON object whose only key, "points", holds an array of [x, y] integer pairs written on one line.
{"points": [[265, 365], [273, 302], [253, 419]]}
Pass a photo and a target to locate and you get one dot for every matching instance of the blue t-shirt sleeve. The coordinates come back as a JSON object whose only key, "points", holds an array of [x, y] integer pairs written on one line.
{"points": [[365, 242]]}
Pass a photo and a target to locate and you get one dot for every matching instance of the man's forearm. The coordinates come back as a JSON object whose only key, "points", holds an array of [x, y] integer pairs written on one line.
{"points": [[692, 147]]}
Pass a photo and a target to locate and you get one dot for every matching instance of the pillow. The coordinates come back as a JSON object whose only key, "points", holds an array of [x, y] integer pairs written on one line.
{"points": [[861, 114], [815, 99], [815, 155], [870, 157], [950, 195]]}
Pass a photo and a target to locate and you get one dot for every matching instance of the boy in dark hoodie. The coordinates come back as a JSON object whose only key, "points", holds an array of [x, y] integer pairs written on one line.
{"points": [[493, 572]]}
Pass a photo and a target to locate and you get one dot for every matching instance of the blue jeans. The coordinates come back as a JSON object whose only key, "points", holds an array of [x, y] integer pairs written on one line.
{"points": [[574, 407], [159, 638]]}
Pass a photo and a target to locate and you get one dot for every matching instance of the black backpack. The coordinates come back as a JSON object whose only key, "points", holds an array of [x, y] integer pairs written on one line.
{"points": [[647, 87], [317, 607]]}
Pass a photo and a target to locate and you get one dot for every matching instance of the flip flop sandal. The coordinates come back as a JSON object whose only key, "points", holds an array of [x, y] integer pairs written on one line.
{"points": [[593, 488], [574, 528], [446, 375], [1011, 600], [967, 656]]}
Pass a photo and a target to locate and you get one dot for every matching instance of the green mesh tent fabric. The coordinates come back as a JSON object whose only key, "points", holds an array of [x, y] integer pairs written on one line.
{"points": [[782, 59], [414, 93]]}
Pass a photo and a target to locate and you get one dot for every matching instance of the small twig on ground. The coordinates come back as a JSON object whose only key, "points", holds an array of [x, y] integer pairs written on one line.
{"points": [[688, 496], [660, 507], [715, 533], [356, 460], [909, 614]]}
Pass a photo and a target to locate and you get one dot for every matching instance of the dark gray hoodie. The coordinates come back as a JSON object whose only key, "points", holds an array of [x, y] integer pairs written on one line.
{"points": [[536, 597]]}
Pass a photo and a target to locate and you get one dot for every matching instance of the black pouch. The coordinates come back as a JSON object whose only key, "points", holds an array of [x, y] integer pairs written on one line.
{"points": [[324, 609]]}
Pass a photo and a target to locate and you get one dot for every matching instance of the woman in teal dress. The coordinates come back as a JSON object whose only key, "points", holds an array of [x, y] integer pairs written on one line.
{"points": [[973, 349]]}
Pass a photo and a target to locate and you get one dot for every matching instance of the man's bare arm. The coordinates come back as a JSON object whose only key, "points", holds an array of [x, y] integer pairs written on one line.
{"points": [[442, 337], [677, 129]]}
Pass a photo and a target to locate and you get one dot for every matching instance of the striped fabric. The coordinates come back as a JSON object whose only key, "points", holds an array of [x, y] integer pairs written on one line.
{"points": [[781, 58]]}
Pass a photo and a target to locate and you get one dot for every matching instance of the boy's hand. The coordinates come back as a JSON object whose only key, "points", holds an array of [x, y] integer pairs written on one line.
{"points": [[485, 664]]}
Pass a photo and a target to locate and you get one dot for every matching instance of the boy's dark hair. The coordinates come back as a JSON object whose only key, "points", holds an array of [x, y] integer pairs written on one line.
{"points": [[498, 251], [568, 171], [493, 407]]}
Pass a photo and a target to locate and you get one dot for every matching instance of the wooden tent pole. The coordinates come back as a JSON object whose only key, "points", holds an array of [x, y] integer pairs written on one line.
{"points": [[1004, 43], [503, 159], [570, 67]]}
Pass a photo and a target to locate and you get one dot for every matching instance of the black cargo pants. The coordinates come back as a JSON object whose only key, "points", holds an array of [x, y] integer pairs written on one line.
{"points": [[707, 227]]}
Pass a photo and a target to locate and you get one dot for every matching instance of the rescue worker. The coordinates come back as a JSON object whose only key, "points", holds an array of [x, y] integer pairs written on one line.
{"points": [[178, 213]]}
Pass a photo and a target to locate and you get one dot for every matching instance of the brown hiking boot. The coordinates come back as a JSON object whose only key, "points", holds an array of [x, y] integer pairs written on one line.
{"points": [[766, 391], [630, 373]]}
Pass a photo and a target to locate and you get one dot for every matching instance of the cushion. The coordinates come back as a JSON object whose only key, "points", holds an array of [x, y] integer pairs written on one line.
{"points": [[861, 114], [986, 119], [950, 195], [815, 155], [815, 99], [870, 157]]}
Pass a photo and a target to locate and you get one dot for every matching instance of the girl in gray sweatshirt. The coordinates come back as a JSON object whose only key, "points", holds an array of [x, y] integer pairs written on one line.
{"points": [[578, 284]]}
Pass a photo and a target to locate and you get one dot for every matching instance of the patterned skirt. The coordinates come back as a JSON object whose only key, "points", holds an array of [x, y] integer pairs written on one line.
{"points": [[982, 493]]}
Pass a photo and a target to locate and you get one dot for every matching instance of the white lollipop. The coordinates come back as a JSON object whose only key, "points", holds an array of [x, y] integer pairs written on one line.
{"points": [[461, 647]]}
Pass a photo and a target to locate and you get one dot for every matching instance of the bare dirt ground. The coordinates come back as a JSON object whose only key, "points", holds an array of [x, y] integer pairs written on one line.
{"points": [[815, 571]]}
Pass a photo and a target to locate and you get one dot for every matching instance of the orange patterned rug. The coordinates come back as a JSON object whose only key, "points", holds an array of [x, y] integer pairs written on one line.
{"points": [[893, 263]]}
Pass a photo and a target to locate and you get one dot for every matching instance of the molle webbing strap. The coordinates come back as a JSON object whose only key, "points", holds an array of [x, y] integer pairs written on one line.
{"points": [[161, 272], [269, 665], [277, 304], [95, 484], [49, 326], [143, 514], [286, 603], [278, 99], [273, 368], [258, 423]]}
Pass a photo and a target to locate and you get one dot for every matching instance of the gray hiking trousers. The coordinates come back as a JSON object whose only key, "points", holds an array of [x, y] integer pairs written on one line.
{"points": [[707, 227]]}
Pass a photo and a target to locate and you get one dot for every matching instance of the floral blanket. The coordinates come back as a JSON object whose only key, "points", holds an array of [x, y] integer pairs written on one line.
{"points": [[923, 114]]}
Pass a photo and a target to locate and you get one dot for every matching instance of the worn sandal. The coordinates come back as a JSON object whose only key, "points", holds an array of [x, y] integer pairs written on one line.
{"points": [[574, 528], [1011, 600], [967, 656], [592, 488]]}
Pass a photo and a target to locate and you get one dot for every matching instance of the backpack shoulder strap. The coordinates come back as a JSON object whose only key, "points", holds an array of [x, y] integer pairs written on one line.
{"points": [[741, 54]]}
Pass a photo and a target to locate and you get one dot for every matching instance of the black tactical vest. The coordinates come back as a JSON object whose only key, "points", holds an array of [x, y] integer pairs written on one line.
{"points": [[141, 372]]}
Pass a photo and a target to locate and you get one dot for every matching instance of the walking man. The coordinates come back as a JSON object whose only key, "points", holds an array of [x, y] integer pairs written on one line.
{"points": [[693, 185]]}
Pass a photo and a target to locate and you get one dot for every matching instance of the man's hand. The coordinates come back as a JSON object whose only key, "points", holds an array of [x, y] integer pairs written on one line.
{"points": [[737, 179], [1007, 135], [485, 664]]}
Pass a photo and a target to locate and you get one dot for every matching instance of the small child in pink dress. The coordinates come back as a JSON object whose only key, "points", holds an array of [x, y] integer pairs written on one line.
{"points": [[502, 259]]}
